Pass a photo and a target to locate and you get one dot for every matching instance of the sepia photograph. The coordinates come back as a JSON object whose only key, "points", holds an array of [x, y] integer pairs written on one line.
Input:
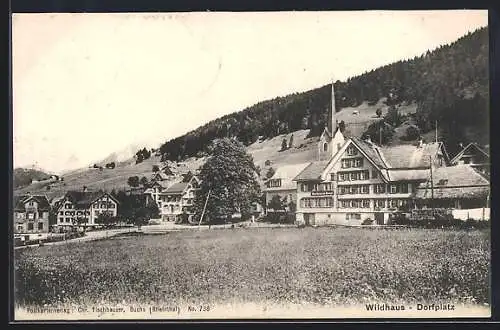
{"points": [[251, 165]]}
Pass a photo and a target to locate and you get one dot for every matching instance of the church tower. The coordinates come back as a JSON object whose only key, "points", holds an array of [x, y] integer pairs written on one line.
{"points": [[331, 139]]}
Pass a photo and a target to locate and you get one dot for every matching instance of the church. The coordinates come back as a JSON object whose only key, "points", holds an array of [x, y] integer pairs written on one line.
{"points": [[355, 181]]}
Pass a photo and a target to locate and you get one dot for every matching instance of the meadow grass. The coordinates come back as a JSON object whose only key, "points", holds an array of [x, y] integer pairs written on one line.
{"points": [[310, 265]]}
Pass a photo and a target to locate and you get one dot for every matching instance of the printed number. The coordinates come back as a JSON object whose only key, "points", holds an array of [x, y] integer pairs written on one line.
{"points": [[204, 308]]}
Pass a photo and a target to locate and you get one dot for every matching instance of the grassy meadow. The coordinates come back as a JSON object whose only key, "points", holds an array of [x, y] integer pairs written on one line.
{"points": [[329, 266]]}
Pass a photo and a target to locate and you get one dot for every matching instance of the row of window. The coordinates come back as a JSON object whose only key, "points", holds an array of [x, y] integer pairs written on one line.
{"points": [[31, 215], [352, 162], [306, 187], [274, 183], [73, 212], [352, 203], [353, 190], [354, 176], [316, 202], [31, 226]]}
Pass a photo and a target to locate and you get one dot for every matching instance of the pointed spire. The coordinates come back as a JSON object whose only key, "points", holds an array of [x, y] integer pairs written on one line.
{"points": [[333, 111]]}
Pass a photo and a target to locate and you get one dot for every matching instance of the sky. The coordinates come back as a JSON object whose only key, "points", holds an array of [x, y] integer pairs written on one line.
{"points": [[87, 85]]}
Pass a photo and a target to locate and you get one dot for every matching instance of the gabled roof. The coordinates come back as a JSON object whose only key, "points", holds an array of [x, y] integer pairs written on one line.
{"points": [[371, 150], [83, 199], [312, 171], [459, 181], [20, 200], [469, 146], [176, 188]]}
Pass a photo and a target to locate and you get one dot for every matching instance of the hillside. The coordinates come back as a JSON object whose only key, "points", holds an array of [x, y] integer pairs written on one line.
{"points": [[448, 84], [24, 176]]}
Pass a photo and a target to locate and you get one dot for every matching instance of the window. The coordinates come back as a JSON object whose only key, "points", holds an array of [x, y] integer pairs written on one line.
{"points": [[30, 226], [325, 146], [346, 163], [20, 228], [366, 203], [380, 203], [358, 162], [466, 160], [404, 188], [61, 213], [394, 189], [393, 203], [364, 175], [40, 226], [275, 183], [316, 202], [332, 177], [374, 174], [380, 188], [68, 219], [351, 151], [31, 216], [365, 189], [342, 177]]}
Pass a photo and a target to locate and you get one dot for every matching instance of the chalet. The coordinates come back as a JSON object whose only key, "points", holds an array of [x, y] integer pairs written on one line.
{"points": [[281, 184], [474, 156], [85, 204], [178, 199], [31, 214]]}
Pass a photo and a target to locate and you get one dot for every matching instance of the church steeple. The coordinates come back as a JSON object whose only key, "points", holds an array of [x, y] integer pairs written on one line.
{"points": [[333, 117]]}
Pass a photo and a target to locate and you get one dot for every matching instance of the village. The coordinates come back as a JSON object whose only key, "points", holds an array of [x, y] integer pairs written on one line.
{"points": [[353, 182]]}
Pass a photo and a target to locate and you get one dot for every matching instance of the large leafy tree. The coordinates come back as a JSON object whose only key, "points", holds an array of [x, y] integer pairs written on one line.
{"points": [[230, 176]]}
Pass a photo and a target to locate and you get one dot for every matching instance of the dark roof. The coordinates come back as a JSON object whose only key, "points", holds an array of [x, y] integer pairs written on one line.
{"points": [[83, 199], [176, 188], [19, 200], [460, 181], [312, 172]]}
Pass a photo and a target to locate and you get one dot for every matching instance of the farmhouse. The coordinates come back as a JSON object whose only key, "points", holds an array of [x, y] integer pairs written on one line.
{"points": [[474, 156], [459, 187], [31, 214], [85, 204], [178, 199], [281, 184]]}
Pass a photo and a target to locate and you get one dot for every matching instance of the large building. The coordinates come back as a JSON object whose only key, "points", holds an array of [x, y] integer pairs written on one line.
{"points": [[31, 214], [85, 204]]}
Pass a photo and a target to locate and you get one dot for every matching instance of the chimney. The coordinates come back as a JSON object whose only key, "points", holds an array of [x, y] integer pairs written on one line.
{"points": [[84, 189], [368, 139]]}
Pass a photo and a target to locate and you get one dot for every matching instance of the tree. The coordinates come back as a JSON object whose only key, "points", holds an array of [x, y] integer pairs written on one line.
{"points": [[187, 177], [270, 173], [412, 133], [156, 168], [378, 112], [105, 219], [111, 165], [290, 143], [229, 174], [276, 208], [133, 181], [144, 181], [284, 145], [342, 126]]}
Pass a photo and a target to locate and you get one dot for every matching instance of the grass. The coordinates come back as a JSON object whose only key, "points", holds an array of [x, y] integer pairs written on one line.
{"points": [[336, 266]]}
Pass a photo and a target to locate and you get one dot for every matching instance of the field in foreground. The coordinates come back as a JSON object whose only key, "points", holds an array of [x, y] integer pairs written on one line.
{"points": [[336, 266]]}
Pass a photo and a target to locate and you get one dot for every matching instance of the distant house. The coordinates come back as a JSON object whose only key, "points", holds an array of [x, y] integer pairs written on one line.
{"points": [[162, 176], [474, 156], [86, 204], [281, 184], [155, 189], [31, 214], [178, 199]]}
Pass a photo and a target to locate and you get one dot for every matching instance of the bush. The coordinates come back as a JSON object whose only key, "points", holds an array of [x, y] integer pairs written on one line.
{"points": [[412, 133], [367, 222]]}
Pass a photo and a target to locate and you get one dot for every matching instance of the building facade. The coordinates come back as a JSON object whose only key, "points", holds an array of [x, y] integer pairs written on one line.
{"points": [[177, 200], [31, 214], [85, 204]]}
